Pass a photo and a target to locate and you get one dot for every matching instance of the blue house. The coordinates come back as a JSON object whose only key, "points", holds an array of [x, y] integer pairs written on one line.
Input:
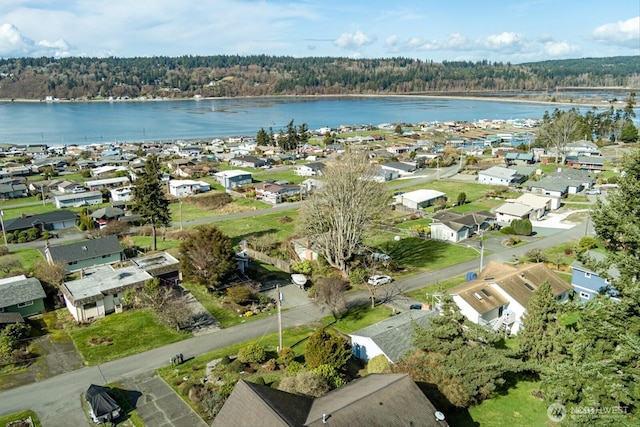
{"points": [[588, 283]]}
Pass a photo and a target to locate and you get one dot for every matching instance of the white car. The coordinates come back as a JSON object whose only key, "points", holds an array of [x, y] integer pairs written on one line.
{"points": [[379, 279]]}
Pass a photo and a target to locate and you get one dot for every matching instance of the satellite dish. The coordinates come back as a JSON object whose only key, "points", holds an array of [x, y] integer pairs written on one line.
{"points": [[439, 416], [397, 238]]}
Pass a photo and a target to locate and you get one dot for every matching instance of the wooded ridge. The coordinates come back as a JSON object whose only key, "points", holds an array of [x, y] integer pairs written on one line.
{"points": [[262, 75]]}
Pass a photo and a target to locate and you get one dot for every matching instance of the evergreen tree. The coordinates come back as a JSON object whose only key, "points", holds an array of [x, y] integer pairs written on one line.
{"points": [[540, 338], [150, 199], [207, 256], [262, 138], [327, 348]]}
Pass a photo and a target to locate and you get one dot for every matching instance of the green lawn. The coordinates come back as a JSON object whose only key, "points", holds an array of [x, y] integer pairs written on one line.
{"points": [[359, 317], [474, 191], [260, 223], [6, 419], [130, 332], [28, 257], [279, 175], [517, 408], [440, 287], [414, 253]]}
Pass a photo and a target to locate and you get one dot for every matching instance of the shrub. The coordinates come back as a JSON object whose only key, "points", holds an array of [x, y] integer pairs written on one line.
{"points": [[522, 227], [224, 361], [327, 348], [252, 353], [378, 364], [302, 267], [587, 243], [294, 367], [270, 365], [235, 367], [238, 294], [286, 355], [258, 380], [330, 375], [358, 276], [226, 388], [304, 383], [507, 230]]}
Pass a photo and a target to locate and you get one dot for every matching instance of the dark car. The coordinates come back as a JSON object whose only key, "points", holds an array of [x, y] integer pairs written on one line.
{"points": [[415, 307]]}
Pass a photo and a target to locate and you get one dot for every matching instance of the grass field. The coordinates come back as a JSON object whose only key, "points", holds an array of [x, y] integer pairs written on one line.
{"points": [[440, 287], [516, 408], [260, 223], [358, 317], [115, 337], [28, 257]]}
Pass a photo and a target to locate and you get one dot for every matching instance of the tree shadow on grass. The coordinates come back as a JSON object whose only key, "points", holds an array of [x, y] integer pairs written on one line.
{"points": [[413, 251], [454, 416]]}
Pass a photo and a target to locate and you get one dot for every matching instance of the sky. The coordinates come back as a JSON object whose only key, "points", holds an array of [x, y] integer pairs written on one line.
{"points": [[433, 30]]}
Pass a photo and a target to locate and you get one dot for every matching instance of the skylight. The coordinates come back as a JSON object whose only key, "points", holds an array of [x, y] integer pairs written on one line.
{"points": [[528, 286]]}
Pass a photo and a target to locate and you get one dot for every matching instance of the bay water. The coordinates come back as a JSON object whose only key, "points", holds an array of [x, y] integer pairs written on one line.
{"points": [[81, 123]]}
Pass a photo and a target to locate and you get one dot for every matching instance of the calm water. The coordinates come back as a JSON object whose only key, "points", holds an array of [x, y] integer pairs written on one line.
{"points": [[103, 122]]}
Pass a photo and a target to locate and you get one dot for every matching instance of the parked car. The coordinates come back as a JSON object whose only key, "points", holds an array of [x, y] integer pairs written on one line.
{"points": [[415, 307], [379, 279], [593, 191], [77, 190]]}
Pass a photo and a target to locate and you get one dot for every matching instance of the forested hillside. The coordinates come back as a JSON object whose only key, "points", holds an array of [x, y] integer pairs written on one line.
{"points": [[261, 75]]}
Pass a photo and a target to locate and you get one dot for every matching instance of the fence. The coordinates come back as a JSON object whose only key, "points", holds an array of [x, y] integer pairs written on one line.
{"points": [[282, 264]]}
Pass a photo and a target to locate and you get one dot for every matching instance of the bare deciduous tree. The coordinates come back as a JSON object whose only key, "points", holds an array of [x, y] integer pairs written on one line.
{"points": [[9, 263], [563, 129], [337, 216], [329, 292]]}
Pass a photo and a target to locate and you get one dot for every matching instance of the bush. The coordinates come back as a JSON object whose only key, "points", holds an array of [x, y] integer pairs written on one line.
{"points": [[302, 267], [270, 365], [294, 367], [327, 348], [587, 243], [507, 230], [330, 375], [258, 380], [235, 367], [378, 364], [238, 294], [522, 227], [286, 355], [226, 388], [252, 353]]}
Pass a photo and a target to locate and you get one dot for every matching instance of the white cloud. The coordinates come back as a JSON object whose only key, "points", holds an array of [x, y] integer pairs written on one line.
{"points": [[354, 41], [13, 43], [621, 33], [505, 41], [559, 48], [391, 43]]}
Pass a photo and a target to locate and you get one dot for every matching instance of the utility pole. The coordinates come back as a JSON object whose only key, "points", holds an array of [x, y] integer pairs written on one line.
{"points": [[180, 203], [279, 304]]}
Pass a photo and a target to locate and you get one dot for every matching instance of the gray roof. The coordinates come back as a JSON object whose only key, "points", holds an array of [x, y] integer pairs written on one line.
{"points": [[555, 183], [17, 289], [86, 249], [399, 166], [394, 336], [374, 400], [45, 218], [499, 172], [97, 282], [80, 196], [107, 213]]}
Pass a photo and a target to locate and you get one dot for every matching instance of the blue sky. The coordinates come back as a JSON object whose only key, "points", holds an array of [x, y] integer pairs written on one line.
{"points": [[507, 31]]}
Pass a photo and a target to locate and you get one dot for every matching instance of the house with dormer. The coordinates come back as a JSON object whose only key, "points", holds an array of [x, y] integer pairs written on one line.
{"points": [[498, 297]]}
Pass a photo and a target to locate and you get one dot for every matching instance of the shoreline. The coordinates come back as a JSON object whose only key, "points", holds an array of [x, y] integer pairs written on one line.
{"points": [[602, 103]]}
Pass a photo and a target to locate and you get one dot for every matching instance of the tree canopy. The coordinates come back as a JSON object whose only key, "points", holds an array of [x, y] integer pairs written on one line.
{"points": [[150, 199], [337, 216], [207, 256]]}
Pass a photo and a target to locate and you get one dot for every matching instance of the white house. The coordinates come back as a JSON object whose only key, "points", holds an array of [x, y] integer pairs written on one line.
{"points": [[123, 194], [187, 187], [234, 178], [309, 169], [419, 199], [498, 175], [392, 337], [540, 205], [100, 291], [76, 200], [509, 211], [99, 184], [499, 297]]}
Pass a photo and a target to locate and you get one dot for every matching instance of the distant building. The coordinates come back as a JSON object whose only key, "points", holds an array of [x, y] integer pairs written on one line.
{"points": [[234, 178]]}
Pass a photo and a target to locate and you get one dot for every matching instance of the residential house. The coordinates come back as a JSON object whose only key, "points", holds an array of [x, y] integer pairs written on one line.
{"points": [[102, 216], [517, 158], [392, 337], [591, 163], [454, 226], [247, 162], [194, 171], [99, 184], [587, 283], [384, 175], [66, 186], [499, 296], [582, 148], [106, 170], [187, 187], [13, 191], [554, 186], [401, 168], [373, 400], [43, 187], [420, 199], [77, 200], [122, 194], [175, 164], [497, 175], [306, 249], [19, 171], [87, 253], [509, 211], [309, 169], [540, 205], [100, 290], [272, 192], [234, 178], [22, 295], [56, 220]]}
